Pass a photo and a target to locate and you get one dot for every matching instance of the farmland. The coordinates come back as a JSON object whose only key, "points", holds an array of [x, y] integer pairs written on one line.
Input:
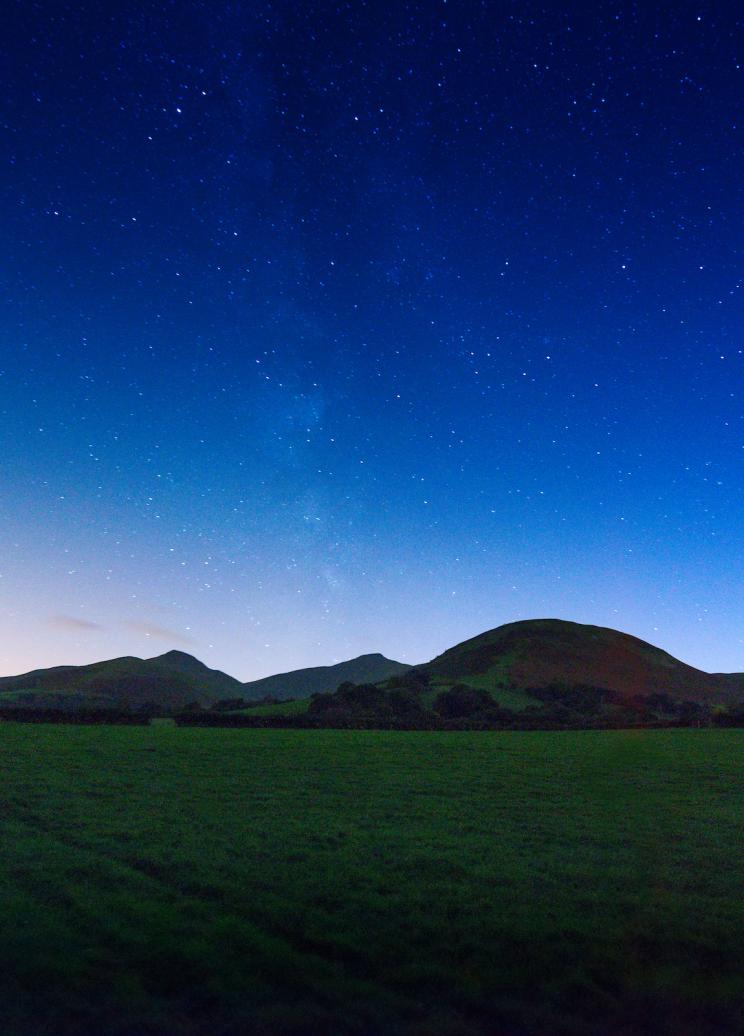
{"points": [[161, 880]]}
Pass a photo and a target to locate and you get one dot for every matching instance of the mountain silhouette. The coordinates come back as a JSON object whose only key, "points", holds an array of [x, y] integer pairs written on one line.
{"points": [[173, 679], [517, 656], [537, 652], [301, 683]]}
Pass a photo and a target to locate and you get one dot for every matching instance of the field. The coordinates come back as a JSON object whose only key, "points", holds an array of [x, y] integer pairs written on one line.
{"points": [[163, 881]]}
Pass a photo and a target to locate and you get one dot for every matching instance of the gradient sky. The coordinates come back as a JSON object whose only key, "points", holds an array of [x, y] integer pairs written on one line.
{"points": [[334, 328]]}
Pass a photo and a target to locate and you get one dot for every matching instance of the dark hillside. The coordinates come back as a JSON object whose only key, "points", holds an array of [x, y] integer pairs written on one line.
{"points": [[301, 683], [173, 680], [538, 652]]}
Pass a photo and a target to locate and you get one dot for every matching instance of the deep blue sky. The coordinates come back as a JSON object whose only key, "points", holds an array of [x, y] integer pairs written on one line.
{"points": [[366, 327]]}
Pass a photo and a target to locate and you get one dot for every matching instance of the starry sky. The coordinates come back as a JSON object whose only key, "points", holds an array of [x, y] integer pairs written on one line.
{"points": [[333, 328]]}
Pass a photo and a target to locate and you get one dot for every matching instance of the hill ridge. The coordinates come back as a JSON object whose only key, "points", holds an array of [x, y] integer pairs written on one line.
{"points": [[536, 652], [301, 683], [172, 679], [516, 655]]}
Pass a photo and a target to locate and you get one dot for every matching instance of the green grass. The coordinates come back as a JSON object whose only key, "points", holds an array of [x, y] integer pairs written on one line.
{"points": [[507, 697], [10, 697], [493, 682], [163, 881], [29, 693], [496, 680], [38, 697]]}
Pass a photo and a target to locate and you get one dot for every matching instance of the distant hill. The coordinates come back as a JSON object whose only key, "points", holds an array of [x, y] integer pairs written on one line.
{"points": [[537, 652], [301, 683], [172, 679], [504, 661]]}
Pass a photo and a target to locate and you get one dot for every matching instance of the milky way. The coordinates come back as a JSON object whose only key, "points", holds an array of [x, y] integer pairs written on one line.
{"points": [[365, 327]]}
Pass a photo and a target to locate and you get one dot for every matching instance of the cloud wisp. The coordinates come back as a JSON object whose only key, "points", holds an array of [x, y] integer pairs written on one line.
{"points": [[71, 624]]}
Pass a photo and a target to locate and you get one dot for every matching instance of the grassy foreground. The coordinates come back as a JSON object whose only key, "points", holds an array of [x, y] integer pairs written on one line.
{"points": [[223, 882]]}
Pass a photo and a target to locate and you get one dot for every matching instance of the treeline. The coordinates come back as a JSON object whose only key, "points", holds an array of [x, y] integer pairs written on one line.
{"points": [[206, 718], [232, 704], [409, 702], [27, 714], [403, 705]]}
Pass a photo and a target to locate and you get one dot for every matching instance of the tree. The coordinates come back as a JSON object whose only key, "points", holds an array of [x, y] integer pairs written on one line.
{"points": [[462, 700]]}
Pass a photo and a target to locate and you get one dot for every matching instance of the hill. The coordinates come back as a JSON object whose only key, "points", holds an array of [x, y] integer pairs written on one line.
{"points": [[172, 679], [301, 683], [538, 652], [506, 662]]}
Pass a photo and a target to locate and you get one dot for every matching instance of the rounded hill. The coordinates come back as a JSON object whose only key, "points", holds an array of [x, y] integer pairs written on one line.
{"points": [[537, 652]]}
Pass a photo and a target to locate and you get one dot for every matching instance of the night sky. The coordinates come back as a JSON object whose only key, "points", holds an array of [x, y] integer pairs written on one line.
{"points": [[330, 329]]}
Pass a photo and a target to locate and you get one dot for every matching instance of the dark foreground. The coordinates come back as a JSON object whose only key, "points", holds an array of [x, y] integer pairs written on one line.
{"points": [[163, 882]]}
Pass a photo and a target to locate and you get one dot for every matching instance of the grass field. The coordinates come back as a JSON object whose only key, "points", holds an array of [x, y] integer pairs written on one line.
{"points": [[180, 881]]}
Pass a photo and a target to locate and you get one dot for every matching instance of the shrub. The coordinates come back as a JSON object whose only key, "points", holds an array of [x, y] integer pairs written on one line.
{"points": [[463, 700]]}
